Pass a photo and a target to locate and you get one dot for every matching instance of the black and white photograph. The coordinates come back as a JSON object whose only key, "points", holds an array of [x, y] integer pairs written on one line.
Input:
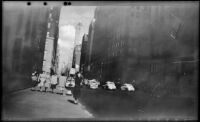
{"points": [[100, 60]]}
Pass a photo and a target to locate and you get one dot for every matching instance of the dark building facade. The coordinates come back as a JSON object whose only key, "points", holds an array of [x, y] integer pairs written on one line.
{"points": [[24, 36], [88, 54], [83, 54], [146, 43]]}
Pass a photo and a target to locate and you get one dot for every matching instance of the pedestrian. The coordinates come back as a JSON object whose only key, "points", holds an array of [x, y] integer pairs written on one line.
{"points": [[54, 81], [70, 83], [42, 79], [34, 79], [76, 90], [47, 82], [62, 81]]}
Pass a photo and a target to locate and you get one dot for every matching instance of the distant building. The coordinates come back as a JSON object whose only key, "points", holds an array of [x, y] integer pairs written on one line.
{"points": [[78, 36], [76, 57], [83, 53]]}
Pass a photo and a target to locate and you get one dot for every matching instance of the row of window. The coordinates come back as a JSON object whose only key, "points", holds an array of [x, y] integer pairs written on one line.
{"points": [[116, 48], [117, 44], [153, 68]]}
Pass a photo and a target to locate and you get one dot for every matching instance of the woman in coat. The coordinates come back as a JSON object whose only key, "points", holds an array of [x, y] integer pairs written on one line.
{"points": [[77, 88]]}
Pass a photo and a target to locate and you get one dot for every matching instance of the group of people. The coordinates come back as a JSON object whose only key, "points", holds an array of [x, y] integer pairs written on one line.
{"points": [[46, 82]]}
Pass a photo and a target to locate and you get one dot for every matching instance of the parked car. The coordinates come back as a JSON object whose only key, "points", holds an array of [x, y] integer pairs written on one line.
{"points": [[93, 84], [68, 92], [109, 85], [127, 87], [70, 82], [85, 81], [118, 85]]}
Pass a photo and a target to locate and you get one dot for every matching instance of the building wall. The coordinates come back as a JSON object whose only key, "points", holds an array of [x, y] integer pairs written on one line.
{"points": [[89, 48], [24, 34], [83, 67], [142, 42]]}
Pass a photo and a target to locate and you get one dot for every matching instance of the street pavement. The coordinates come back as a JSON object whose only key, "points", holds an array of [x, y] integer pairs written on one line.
{"points": [[35, 105], [138, 105], [98, 104]]}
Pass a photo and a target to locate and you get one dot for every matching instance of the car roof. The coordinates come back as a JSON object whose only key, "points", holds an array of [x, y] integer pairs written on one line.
{"points": [[110, 82]]}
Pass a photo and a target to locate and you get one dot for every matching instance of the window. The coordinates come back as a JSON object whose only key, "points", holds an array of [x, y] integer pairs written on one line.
{"points": [[50, 15], [49, 25], [150, 67], [132, 13], [145, 8]]}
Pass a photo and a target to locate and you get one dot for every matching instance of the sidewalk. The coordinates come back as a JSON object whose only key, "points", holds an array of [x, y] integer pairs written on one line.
{"points": [[30, 105]]}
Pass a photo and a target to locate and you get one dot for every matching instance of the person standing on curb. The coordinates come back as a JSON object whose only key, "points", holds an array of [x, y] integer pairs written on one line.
{"points": [[77, 88], [62, 82], [34, 78], [54, 82], [47, 83], [42, 78]]}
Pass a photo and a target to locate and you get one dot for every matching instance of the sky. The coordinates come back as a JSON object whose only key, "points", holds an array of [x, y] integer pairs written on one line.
{"points": [[69, 17]]}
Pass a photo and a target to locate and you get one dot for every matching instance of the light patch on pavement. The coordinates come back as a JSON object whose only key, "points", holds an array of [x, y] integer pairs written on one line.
{"points": [[83, 107]]}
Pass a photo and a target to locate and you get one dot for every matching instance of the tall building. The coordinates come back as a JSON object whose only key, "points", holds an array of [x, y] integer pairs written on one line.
{"points": [[77, 57], [83, 54], [77, 47], [50, 55], [24, 35], [89, 46], [145, 43], [78, 36]]}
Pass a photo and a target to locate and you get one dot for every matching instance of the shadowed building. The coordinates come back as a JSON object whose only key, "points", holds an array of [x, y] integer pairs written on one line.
{"points": [[24, 35], [146, 43], [83, 54], [89, 49]]}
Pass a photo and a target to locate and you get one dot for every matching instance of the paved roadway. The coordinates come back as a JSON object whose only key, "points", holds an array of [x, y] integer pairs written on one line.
{"points": [[35, 105], [137, 105], [99, 104]]}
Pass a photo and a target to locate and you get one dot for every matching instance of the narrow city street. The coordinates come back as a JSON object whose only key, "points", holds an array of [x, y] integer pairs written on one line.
{"points": [[35, 105], [121, 61], [137, 105]]}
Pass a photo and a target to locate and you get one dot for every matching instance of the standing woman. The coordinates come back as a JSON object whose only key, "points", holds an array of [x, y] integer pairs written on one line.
{"points": [[42, 79], [47, 83], [77, 88], [34, 78], [54, 82]]}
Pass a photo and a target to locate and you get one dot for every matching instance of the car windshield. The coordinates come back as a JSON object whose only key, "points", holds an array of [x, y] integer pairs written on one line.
{"points": [[93, 82], [129, 85], [110, 83]]}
